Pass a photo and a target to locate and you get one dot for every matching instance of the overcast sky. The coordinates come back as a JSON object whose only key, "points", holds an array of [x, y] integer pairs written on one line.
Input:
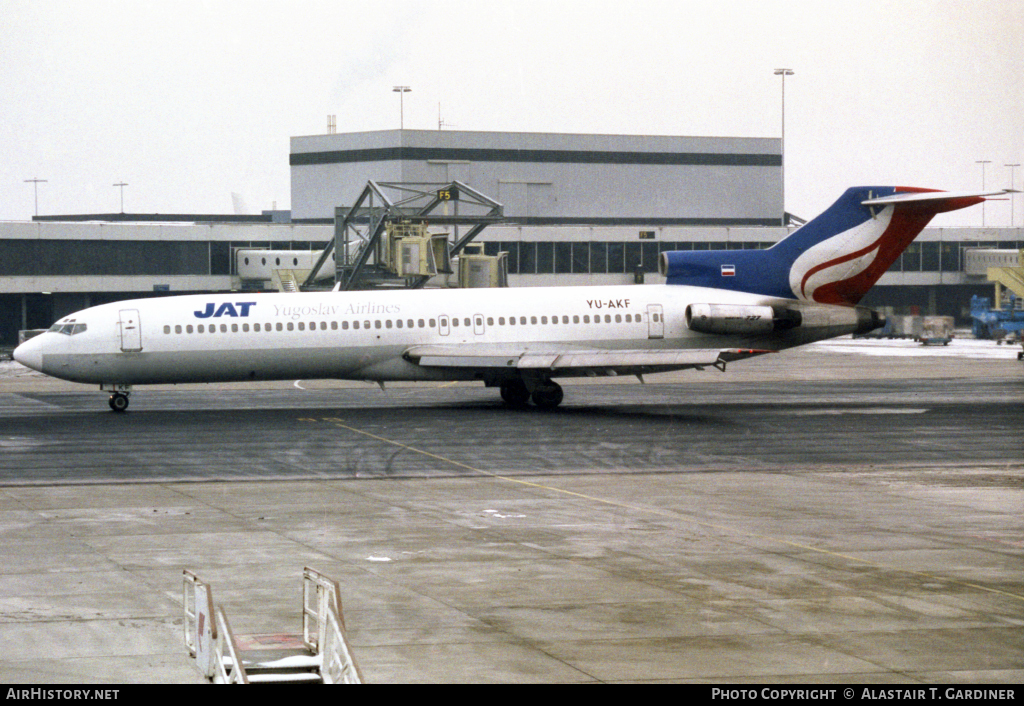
{"points": [[190, 101]]}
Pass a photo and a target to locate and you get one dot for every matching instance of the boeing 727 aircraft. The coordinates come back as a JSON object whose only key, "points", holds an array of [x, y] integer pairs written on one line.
{"points": [[715, 307]]}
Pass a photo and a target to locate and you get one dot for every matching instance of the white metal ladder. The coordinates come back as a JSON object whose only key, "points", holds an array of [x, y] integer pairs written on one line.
{"points": [[328, 658]]}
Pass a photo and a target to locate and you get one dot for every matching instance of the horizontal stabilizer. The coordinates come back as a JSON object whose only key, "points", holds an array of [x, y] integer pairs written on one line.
{"points": [[917, 196]]}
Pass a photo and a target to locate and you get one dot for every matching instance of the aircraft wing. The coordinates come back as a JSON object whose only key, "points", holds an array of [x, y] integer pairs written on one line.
{"points": [[573, 361]]}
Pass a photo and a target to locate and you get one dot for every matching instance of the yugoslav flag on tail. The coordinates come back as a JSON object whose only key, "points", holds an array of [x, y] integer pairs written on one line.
{"points": [[835, 258]]}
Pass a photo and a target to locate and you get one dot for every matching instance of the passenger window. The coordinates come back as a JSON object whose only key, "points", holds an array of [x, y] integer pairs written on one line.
{"points": [[344, 325], [167, 329], [398, 323], [576, 318], [422, 323], [188, 329], [565, 319], [234, 328], [256, 328], [224, 328], [280, 328], [355, 324], [467, 322], [201, 329], [334, 325], [302, 326], [543, 319], [291, 326], [410, 323], [501, 321], [377, 323], [177, 329], [455, 322], [433, 323], [490, 321], [629, 318], [586, 318], [618, 318], [388, 323], [245, 328], [366, 324]]}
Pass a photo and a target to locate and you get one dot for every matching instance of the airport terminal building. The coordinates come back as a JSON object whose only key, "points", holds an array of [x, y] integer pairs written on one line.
{"points": [[578, 209]]}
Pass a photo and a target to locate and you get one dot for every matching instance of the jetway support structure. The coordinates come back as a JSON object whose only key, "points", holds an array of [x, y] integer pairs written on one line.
{"points": [[364, 257]]}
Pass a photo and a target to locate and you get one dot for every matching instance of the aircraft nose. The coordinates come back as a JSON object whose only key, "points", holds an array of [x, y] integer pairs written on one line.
{"points": [[30, 354]]}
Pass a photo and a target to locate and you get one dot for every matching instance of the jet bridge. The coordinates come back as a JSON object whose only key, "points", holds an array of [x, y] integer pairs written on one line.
{"points": [[382, 240]]}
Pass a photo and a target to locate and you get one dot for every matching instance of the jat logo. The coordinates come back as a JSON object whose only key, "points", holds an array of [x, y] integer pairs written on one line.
{"points": [[225, 309]]}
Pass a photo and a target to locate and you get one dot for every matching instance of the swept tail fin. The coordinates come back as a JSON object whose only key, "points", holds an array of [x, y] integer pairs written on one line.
{"points": [[835, 258]]}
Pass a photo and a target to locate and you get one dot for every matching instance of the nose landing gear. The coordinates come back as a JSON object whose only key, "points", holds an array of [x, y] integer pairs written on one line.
{"points": [[119, 401], [118, 396]]}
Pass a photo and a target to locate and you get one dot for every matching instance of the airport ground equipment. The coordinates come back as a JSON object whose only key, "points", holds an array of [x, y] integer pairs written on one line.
{"points": [[936, 330], [323, 658], [998, 323], [382, 240]]}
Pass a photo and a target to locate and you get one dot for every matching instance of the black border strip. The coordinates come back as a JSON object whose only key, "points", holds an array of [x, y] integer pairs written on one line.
{"points": [[537, 156]]}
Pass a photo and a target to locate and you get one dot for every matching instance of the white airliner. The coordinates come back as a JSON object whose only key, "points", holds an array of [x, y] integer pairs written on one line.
{"points": [[716, 307]]}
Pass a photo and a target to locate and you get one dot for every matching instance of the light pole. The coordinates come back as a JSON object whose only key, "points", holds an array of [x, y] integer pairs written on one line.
{"points": [[1013, 195], [122, 185], [783, 73], [983, 162], [35, 187], [401, 91]]}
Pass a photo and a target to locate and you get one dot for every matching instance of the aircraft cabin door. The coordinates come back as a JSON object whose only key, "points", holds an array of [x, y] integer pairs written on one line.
{"points": [[478, 324], [443, 325], [131, 331], [655, 321]]}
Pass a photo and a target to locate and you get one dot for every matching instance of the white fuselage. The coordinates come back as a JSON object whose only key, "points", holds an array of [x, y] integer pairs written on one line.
{"points": [[365, 335]]}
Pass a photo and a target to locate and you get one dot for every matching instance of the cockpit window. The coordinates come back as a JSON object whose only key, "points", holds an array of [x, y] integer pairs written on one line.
{"points": [[68, 328]]}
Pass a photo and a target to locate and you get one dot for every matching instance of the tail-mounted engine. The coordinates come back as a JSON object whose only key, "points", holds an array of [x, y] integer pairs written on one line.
{"points": [[740, 319]]}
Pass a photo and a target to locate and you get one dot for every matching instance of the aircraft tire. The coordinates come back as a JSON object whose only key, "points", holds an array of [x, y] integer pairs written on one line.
{"points": [[514, 392], [548, 395], [119, 402]]}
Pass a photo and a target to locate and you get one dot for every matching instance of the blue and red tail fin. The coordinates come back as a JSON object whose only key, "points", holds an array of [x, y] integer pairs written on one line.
{"points": [[835, 258]]}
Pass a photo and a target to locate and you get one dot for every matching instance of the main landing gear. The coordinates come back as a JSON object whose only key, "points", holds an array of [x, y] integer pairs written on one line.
{"points": [[546, 394]]}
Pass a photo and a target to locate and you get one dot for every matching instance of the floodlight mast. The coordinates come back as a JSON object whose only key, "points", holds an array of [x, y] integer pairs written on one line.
{"points": [[122, 185], [35, 187], [401, 91], [783, 73], [1013, 194], [983, 162]]}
